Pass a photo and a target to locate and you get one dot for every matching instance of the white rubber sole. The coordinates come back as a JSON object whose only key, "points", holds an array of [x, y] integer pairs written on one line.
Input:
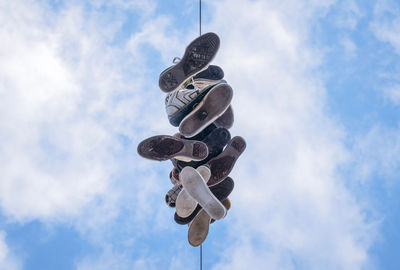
{"points": [[185, 204], [195, 186]]}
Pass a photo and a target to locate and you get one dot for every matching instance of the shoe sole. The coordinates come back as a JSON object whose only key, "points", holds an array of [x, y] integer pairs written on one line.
{"points": [[185, 204], [198, 229], [214, 104], [195, 186], [222, 165], [177, 118], [227, 204], [164, 147], [197, 57], [212, 74], [221, 191], [215, 142], [226, 119]]}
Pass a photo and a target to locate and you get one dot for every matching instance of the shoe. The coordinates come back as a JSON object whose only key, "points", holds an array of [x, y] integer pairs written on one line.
{"points": [[180, 103], [215, 142], [174, 176], [195, 186], [226, 119], [221, 191], [226, 203], [197, 57], [222, 165], [213, 105], [185, 204], [164, 147], [199, 227], [172, 194]]}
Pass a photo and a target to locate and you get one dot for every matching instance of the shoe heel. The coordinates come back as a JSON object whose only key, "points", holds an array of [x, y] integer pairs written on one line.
{"points": [[200, 150], [239, 144]]}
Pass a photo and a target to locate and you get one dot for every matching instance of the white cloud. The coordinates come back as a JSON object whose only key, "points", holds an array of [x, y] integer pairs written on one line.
{"points": [[386, 23], [377, 153], [65, 109], [349, 14], [7, 259], [393, 94], [67, 98], [290, 205]]}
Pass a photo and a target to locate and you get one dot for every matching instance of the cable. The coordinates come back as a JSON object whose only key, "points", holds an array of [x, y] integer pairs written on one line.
{"points": [[200, 15], [201, 257]]}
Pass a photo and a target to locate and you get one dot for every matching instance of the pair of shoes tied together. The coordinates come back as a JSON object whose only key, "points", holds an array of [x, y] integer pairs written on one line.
{"points": [[203, 152]]}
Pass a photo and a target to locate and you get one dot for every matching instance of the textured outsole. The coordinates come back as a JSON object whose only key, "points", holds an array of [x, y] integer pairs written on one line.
{"points": [[198, 229], [226, 119], [216, 141], [211, 74], [177, 118], [164, 147], [227, 204], [214, 104], [185, 204], [221, 191], [195, 186], [198, 54], [222, 165]]}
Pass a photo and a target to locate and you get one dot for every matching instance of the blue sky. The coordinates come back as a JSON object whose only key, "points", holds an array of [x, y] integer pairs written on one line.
{"points": [[316, 96]]}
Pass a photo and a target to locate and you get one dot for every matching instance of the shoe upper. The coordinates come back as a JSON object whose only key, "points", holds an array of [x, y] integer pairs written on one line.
{"points": [[177, 100]]}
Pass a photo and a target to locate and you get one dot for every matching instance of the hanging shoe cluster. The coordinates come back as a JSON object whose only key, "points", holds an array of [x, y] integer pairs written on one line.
{"points": [[203, 153]]}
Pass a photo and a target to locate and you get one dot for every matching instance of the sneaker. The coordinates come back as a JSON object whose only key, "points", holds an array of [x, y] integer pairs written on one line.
{"points": [[215, 141], [197, 57], [195, 186], [174, 176], [226, 119], [222, 165], [213, 105], [221, 191], [226, 203], [172, 194], [180, 103], [199, 227], [185, 204], [164, 147]]}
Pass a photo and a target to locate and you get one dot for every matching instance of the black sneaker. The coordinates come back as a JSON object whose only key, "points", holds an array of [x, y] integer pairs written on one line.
{"points": [[164, 147], [212, 106], [215, 141], [197, 57], [222, 165]]}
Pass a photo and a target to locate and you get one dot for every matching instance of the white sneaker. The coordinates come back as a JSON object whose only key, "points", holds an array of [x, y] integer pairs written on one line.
{"points": [[195, 186], [185, 204]]}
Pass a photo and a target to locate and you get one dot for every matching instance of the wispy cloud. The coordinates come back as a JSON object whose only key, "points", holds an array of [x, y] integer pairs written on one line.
{"points": [[8, 260], [291, 208], [73, 112]]}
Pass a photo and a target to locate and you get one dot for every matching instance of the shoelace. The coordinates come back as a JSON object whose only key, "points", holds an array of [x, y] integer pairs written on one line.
{"points": [[190, 81], [176, 60]]}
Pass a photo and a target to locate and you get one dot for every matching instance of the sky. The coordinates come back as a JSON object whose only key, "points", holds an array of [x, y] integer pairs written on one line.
{"points": [[316, 96]]}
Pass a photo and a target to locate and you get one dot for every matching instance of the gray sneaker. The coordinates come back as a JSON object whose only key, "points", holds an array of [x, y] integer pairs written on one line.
{"points": [[172, 194], [180, 103]]}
